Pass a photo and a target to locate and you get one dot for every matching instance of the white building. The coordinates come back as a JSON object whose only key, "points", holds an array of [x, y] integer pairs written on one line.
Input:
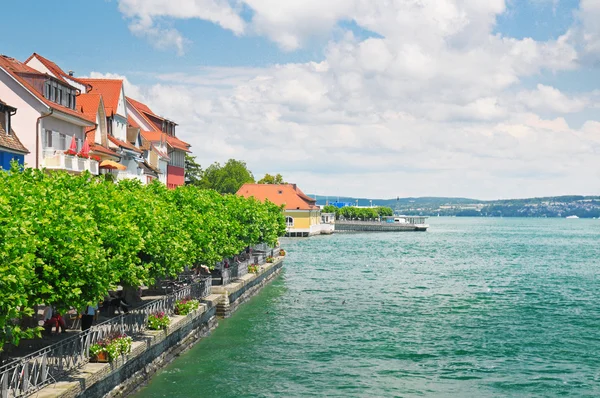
{"points": [[48, 119]]}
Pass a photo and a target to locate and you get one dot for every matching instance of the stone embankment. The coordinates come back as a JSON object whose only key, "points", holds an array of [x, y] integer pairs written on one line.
{"points": [[154, 349]]}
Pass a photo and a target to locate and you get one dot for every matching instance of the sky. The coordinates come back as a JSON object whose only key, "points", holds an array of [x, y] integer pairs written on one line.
{"points": [[468, 98]]}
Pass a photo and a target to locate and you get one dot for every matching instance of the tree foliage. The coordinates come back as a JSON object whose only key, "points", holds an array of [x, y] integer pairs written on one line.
{"points": [[359, 213], [269, 179], [193, 171], [227, 178], [66, 240]]}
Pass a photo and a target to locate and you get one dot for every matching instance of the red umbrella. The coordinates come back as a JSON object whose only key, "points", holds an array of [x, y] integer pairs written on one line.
{"points": [[73, 148], [85, 150]]}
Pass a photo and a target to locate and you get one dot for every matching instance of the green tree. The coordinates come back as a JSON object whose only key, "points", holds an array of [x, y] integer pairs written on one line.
{"points": [[193, 171], [66, 240], [269, 179], [227, 178]]}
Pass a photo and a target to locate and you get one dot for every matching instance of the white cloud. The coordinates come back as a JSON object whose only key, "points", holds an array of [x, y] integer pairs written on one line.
{"points": [[431, 106], [550, 99]]}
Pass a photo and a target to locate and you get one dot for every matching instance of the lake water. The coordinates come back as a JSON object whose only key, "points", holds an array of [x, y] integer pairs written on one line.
{"points": [[474, 307]]}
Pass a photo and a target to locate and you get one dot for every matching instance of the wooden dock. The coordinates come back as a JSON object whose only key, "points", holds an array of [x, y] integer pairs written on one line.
{"points": [[376, 226]]}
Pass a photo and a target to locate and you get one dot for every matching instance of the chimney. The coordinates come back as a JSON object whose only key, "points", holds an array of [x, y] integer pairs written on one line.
{"points": [[71, 73]]}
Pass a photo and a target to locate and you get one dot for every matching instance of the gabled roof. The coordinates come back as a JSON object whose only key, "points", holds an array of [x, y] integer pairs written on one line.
{"points": [[19, 71], [10, 141], [88, 105], [283, 194], [111, 92], [156, 135], [55, 69]]}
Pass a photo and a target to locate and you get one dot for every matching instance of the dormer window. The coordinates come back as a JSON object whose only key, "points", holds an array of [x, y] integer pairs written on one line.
{"points": [[60, 94]]}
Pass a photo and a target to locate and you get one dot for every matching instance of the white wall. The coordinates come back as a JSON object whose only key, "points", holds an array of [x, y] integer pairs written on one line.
{"points": [[29, 108], [119, 128], [162, 165], [137, 117]]}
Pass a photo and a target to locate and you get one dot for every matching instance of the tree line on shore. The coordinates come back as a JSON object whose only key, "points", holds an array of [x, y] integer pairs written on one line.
{"points": [[67, 240], [358, 213]]}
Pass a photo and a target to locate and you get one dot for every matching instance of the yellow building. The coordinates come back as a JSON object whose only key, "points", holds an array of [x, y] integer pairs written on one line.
{"points": [[302, 215]]}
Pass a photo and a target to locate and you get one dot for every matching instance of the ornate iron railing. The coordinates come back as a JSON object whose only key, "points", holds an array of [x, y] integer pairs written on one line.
{"points": [[29, 374]]}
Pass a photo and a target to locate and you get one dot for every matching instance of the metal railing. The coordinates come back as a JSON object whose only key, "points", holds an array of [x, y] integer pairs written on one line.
{"points": [[29, 374]]}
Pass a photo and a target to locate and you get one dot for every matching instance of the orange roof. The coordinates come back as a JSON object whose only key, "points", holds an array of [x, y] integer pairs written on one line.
{"points": [[132, 122], [19, 71], [176, 143], [140, 106], [123, 144], [55, 69], [283, 194], [110, 90], [101, 149], [88, 105]]}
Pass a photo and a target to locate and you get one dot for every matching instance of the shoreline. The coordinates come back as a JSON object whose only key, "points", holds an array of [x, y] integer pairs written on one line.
{"points": [[155, 349]]}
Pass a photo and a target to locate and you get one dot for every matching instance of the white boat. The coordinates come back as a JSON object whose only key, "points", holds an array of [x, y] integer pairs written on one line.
{"points": [[572, 217]]}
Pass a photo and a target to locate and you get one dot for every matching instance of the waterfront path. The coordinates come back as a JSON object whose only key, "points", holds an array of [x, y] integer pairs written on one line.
{"points": [[152, 349]]}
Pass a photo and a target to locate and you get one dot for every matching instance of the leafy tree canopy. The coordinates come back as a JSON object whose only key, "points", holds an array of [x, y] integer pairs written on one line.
{"points": [[67, 240], [269, 179], [193, 171], [227, 178]]}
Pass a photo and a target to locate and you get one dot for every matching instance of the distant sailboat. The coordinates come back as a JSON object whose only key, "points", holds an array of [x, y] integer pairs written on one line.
{"points": [[572, 217]]}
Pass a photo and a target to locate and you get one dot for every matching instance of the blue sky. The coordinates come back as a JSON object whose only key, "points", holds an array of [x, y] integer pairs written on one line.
{"points": [[486, 99], [95, 36]]}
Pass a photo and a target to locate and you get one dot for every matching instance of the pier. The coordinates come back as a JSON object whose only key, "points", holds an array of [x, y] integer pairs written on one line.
{"points": [[392, 224]]}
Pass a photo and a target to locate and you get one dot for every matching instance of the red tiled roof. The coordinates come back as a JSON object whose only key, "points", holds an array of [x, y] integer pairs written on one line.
{"points": [[283, 194], [123, 144], [154, 136], [176, 143], [132, 122], [101, 149], [110, 90], [18, 70], [88, 105], [141, 107], [55, 69]]}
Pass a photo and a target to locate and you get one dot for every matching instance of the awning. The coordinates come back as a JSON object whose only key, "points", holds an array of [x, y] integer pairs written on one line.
{"points": [[111, 164]]}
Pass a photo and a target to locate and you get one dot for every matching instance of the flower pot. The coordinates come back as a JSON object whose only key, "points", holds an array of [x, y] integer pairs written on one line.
{"points": [[101, 357]]}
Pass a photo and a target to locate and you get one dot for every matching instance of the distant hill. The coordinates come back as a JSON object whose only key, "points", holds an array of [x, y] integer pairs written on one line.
{"points": [[550, 206]]}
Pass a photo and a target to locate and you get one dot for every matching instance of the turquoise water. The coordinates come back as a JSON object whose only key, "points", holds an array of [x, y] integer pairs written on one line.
{"points": [[474, 307]]}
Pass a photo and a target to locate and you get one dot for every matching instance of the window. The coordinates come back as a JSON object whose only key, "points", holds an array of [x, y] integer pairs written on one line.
{"points": [[47, 139], [289, 221]]}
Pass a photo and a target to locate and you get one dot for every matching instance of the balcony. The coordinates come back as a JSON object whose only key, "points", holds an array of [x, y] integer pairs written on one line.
{"points": [[127, 175], [57, 160]]}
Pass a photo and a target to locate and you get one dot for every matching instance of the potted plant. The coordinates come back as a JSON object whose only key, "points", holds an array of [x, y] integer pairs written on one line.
{"points": [[281, 252], [270, 259], [158, 321], [98, 352], [70, 152], [253, 268], [186, 305]]}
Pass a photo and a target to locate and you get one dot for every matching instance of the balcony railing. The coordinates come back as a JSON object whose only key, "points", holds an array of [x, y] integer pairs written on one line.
{"points": [[31, 373], [57, 160]]}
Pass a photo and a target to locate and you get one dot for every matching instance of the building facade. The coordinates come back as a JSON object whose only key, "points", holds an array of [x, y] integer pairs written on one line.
{"points": [[302, 215]]}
